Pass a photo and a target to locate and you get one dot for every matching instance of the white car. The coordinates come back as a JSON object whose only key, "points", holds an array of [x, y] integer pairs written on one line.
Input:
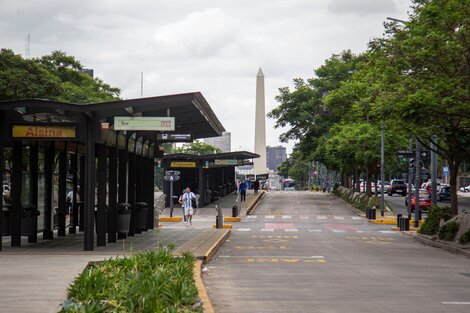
{"points": [[465, 188]]}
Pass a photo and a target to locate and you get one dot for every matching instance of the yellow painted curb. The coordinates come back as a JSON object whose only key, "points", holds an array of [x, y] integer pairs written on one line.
{"points": [[170, 219], [206, 302], [232, 219], [228, 226], [253, 205], [209, 253], [389, 221], [411, 228]]}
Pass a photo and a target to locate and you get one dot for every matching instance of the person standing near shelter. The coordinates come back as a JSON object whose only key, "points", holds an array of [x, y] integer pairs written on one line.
{"points": [[242, 189], [187, 199]]}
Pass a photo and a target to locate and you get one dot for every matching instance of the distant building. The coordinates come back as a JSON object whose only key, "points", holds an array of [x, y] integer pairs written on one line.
{"points": [[223, 142], [275, 156], [87, 71]]}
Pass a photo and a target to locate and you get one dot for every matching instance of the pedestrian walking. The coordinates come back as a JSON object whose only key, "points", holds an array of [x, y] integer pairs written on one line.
{"points": [[187, 199], [256, 186], [242, 190], [180, 201]]}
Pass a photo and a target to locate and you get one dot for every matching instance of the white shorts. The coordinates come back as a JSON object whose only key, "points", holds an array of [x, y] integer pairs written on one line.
{"points": [[188, 211]]}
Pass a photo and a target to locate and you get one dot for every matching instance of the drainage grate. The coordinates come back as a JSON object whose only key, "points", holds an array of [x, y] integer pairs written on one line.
{"points": [[465, 274]]}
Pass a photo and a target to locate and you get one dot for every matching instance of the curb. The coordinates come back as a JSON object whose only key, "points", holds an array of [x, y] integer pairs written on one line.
{"points": [[201, 288], [226, 226], [170, 219], [232, 219], [253, 205], [451, 247]]}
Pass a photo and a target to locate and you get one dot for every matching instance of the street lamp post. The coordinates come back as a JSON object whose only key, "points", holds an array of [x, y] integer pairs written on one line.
{"points": [[382, 171]]}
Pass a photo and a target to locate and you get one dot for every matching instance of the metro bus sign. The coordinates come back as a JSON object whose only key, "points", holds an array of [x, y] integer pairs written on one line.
{"points": [[43, 132], [144, 123]]}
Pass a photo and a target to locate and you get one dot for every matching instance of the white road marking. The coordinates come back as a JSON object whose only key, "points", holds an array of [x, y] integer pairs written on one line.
{"points": [[338, 217], [359, 231], [271, 256], [267, 229], [290, 229], [356, 218], [315, 230], [243, 229], [387, 231], [269, 216], [304, 217], [252, 216], [338, 231], [457, 303], [286, 217], [321, 217]]}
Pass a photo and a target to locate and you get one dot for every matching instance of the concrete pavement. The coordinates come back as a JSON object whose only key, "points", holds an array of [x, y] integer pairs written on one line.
{"points": [[306, 252]]}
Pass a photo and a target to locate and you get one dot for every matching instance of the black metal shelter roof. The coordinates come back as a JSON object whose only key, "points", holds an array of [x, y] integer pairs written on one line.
{"points": [[191, 111], [237, 155]]}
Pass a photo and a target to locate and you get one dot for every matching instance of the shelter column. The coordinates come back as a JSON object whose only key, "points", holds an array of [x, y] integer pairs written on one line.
{"points": [[74, 206], [150, 168], [33, 169], [2, 169], [131, 191], [16, 184], [62, 191], [81, 209], [112, 195], [101, 213], [48, 184], [122, 177], [201, 184], [89, 190]]}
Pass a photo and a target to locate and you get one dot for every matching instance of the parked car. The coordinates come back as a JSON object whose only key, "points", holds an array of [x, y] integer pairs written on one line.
{"points": [[424, 200], [465, 188], [443, 194], [386, 186], [397, 186], [363, 186]]}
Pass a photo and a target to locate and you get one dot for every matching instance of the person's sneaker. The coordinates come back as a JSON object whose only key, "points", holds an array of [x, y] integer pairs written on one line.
{"points": [[187, 224]]}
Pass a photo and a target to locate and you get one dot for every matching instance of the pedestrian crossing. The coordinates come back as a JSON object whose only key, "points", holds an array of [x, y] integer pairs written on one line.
{"points": [[305, 218], [315, 230]]}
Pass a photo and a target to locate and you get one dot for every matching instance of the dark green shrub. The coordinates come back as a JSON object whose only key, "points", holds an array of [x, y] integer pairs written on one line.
{"points": [[431, 223], [465, 238], [152, 281], [448, 231]]}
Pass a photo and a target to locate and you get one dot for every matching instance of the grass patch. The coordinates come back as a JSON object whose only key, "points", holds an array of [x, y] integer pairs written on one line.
{"points": [[465, 238], [431, 223], [152, 281], [448, 231]]}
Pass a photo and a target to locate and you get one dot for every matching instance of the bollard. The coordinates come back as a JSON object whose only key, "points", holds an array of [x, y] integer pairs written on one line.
{"points": [[405, 224], [373, 212], [234, 211], [368, 213], [219, 221], [398, 219]]}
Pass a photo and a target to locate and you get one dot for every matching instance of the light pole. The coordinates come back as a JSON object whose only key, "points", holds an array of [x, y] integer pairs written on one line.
{"points": [[382, 171]]}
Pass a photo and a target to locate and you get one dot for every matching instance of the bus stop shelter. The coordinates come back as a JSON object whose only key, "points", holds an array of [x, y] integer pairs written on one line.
{"points": [[49, 145], [212, 176]]}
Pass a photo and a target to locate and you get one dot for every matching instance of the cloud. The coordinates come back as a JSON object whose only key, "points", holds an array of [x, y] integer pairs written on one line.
{"points": [[362, 7]]}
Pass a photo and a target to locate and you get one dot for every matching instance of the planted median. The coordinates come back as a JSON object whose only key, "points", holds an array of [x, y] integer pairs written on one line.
{"points": [[152, 281]]}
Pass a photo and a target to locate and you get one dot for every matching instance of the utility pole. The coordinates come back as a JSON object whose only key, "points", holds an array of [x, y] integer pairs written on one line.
{"points": [[417, 182], [382, 172], [409, 179], [434, 169]]}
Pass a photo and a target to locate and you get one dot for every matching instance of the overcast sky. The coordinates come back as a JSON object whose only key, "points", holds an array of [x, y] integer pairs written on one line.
{"points": [[212, 46]]}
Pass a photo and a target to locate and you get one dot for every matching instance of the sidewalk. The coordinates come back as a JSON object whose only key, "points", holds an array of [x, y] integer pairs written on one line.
{"points": [[226, 203], [35, 277]]}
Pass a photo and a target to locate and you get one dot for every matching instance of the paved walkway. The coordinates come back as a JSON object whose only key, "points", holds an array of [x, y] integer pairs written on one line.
{"points": [[35, 277]]}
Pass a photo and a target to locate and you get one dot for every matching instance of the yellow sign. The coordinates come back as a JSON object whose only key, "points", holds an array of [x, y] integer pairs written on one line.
{"points": [[179, 164], [38, 131]]}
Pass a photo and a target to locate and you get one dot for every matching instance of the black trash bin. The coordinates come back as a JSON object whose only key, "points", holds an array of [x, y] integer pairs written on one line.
{"points": [[29, 221], [141, 209], [124, 218], [6, 221], [235, 211]]}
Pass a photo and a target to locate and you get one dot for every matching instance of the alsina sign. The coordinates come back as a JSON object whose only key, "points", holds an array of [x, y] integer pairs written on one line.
{"points": [[43, 132]]}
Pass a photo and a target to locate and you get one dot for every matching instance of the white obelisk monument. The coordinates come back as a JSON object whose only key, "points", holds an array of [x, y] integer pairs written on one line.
{"points": [[260, 165]]}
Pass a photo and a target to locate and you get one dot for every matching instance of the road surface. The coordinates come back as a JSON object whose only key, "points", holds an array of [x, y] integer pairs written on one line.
{"points": [[307, 252]]}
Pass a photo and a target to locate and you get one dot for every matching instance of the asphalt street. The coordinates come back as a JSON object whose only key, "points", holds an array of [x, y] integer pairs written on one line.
{"points": [[307, 252]]}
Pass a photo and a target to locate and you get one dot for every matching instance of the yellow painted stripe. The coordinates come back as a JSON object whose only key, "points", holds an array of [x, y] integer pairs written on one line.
{"points": [[206, 301], [229, 226], [170, 219], [232, 219]]}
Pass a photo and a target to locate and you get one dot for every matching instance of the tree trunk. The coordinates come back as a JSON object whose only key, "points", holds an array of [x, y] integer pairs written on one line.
{"points": [[454, 172], [369, 181]]}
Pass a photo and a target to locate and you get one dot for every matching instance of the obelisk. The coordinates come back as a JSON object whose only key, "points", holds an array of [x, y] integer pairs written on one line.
{"points": [[260, 165]]}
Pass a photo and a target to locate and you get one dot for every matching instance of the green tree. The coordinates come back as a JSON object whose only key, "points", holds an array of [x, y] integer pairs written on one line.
{"points": [[24, 78], [198, 148], [425, 78]]}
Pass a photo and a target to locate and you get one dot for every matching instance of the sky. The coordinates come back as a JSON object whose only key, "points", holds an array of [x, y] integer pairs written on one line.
{"points": [[212, 46]]}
